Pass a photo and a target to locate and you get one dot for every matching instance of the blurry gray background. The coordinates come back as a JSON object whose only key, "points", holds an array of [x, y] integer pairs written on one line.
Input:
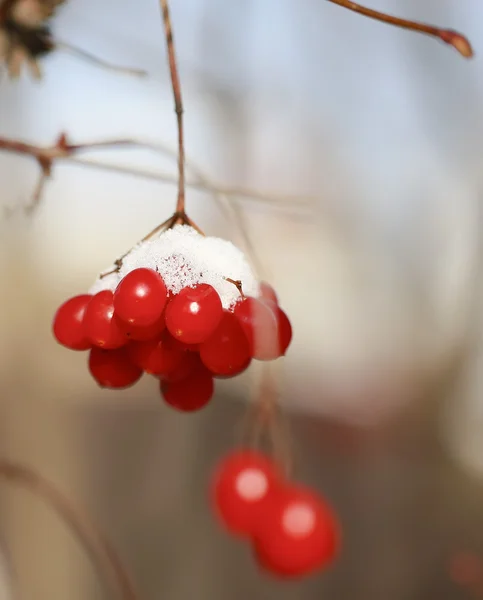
{"points": [[382, 282]]}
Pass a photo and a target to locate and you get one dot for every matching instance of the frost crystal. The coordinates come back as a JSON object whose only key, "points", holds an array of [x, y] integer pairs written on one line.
{"points": [[184, 258]]}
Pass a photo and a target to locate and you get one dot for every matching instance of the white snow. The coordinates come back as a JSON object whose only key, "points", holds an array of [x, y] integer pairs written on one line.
{"points": [[109, 282], [183, 257]]}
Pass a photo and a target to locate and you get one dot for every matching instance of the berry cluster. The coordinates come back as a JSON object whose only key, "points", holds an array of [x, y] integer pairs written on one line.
{"points": [[292, 530], [170, 312], [185, 339]]}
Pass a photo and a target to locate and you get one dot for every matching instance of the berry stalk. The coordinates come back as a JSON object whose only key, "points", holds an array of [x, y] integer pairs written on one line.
{"points": [[453, 38], [179, 217], [178, 104]]}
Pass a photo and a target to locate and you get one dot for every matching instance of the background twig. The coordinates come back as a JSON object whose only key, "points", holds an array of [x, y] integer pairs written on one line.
{"points": [[63, 151], [108, 563], [449, 36], [178, 103], [99, 62]]}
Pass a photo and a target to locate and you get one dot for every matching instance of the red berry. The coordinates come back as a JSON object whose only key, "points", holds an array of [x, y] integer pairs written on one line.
{"points": [[268, 293], [140, 297], [242, 369], [193, 314], [244, 485], [284, 331], [67, 325], [227, 350], [157, 357], [284, 327], [141, 334], [191, 393], [260, 324], [184, 346], [113, 368], [100, 326], [298, 535], [189, 362]]}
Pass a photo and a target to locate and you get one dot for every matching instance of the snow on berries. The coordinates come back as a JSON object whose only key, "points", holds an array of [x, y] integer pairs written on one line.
{"points": [[184, 258], [183, 308], [292, 529]]}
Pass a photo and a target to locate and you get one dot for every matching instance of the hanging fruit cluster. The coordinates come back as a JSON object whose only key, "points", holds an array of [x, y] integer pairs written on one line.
{"points": [[178, 318], [292, 530], [169, 310]]}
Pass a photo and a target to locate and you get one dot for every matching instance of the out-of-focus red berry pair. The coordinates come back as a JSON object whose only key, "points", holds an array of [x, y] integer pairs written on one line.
{"points": [[291, 528]]}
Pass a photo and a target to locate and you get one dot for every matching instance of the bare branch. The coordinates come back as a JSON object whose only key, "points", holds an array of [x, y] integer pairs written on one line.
{"points": [[265, 426], [178, 103], [64, 151], [231, 212], [37, 193], [99, 62], [453, 38], [108, 563]]}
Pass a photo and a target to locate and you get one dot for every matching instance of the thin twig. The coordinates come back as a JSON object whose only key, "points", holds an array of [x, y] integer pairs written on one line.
{"points": [[238, 284], [87, 56], [265, 426], [178, 103], [293, 203], [65, 151], [229, 209], [108, 563], [449, 36], [118, 262], [221, 195], [37, 194]]}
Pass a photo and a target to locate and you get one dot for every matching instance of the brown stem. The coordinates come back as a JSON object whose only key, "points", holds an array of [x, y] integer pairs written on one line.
{"points": [[453, 38], [38, 191], [68, 152], [265, 426], [178, 104], [109, 564], [18, 147], [64, 150], [238, 284], [176, 219], [103, 64]]}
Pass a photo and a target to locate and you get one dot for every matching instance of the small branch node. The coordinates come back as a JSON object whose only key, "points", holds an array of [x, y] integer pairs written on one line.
{"points": [[238, 284]]}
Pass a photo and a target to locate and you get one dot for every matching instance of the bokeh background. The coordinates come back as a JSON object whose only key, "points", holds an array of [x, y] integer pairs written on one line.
{"points": [[380, 275]]}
